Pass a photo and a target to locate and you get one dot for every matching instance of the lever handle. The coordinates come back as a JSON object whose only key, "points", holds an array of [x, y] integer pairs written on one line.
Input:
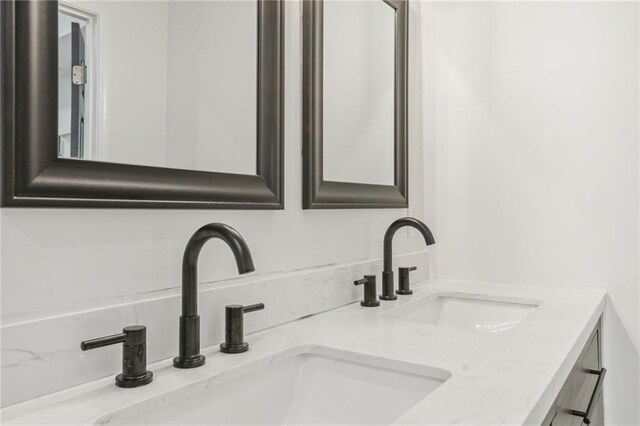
{"points": [[253, 308], [404, 281], [134, 355], [103, 341], [234, 328], [370, 298]]}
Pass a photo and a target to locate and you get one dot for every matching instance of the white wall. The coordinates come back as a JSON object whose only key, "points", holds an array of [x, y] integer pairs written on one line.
{"points": [[67, 263], [531, 122], [211, 90]]}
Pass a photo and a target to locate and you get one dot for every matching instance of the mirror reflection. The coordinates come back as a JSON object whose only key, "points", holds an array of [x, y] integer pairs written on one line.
{"points": [[358, 92], [159, 83]]}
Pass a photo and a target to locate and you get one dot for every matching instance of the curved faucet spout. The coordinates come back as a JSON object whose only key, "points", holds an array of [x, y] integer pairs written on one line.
{"points": [[387, 273], [236, 243], [391, 231], [189, 351]]}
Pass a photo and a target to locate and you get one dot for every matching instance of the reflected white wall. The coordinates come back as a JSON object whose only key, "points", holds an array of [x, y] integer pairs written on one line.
{"points": [[212, 84], [358, 92]]}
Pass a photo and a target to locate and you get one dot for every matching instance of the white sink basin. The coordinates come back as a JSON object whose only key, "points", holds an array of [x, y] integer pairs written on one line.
{"points": [[305, 385], [467, 311]]}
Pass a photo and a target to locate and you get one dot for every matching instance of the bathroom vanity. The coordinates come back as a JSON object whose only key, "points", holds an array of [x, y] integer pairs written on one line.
{"points": [[451, 353], [391, 106]]}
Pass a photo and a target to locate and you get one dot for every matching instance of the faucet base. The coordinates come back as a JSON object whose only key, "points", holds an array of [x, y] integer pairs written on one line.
{"points": [[387, 286], [189, 363], [371, 304], [404, 292], [134, 383], [234, 349]]}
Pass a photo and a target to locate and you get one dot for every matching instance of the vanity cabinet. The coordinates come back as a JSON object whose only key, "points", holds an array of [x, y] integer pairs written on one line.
{"points": [[581, 387]]}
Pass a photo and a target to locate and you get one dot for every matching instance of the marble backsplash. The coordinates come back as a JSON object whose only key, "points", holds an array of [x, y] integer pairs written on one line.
{"points": [[43, 355]]}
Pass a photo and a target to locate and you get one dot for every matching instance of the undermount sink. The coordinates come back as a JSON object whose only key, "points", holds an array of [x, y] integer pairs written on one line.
{"points": [[304, 385], [467, 311]]}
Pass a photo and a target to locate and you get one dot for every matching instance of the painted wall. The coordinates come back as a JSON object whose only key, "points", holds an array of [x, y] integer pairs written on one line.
{"points": [[531, 122], [64, 264], [211, 86]]}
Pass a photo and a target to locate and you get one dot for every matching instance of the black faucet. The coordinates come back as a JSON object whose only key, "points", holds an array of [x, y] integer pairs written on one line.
{"points": [[134, 355], [387, 273], [370, 299], [189, 355], [234, 328]]}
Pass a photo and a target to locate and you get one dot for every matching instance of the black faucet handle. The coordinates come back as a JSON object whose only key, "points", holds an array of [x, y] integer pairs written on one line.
{"points": [[404, 281], [234, 328], [134, 355], [103, 341], [252, 308], [370, 298]]}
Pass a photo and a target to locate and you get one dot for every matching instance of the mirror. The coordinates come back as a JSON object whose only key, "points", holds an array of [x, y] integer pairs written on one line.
{"points": [[358, 89], [159, 83], [354, 103], [152, 104]]}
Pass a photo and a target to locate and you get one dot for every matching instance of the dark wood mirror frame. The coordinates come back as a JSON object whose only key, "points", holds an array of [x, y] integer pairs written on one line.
{"points": [[317, 192], [34, 176]]}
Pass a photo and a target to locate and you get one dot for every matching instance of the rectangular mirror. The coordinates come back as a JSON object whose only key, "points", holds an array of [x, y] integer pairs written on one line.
{"points": [[157, 103], [354, 104]]}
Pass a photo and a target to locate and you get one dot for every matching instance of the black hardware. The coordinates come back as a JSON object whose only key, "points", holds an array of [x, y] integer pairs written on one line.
{"points": [[404, 281], [189, 355], [134, 355], [387, 273], [234, 328], [596, 389], [370, 298]]}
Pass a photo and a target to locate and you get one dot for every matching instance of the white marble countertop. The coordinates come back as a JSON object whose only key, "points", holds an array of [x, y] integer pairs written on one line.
{"points": [[509, 378]]}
